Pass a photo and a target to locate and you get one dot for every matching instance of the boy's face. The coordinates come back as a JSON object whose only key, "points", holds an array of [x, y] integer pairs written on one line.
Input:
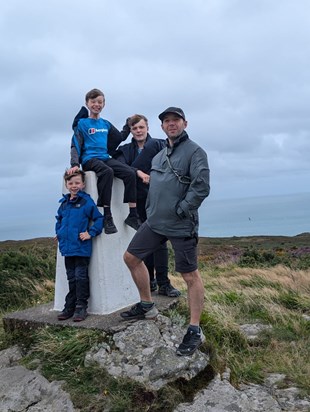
{"points": [[139, 131], [95, 105], [74, 185]]}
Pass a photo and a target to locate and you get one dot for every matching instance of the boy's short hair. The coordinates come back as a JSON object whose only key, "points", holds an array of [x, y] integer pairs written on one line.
{"points": [[136, 119], [93, 93], [79, 172]]}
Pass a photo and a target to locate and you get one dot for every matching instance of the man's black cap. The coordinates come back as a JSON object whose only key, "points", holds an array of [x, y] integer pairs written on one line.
{"points": [[174, 110]]}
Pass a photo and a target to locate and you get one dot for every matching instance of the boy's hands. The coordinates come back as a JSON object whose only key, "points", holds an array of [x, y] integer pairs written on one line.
{"points": [[72, 170], [143, 176], [84, 236]]}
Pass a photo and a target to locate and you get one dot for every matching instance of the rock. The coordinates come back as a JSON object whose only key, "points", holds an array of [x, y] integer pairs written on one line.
{"points": [[252, 330], [24, 390], [10, 356], [145, 352]]}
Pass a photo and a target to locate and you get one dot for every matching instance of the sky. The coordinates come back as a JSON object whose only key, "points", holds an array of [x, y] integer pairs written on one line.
{"points": [[239, 69]]}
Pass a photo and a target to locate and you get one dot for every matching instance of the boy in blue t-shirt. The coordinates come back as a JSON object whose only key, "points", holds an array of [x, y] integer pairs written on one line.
{"points": [[78, 221], [93, 143]]}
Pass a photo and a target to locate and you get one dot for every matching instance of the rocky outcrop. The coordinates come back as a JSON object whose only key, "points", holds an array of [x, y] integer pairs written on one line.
{"points": [[145, 352], [221, 396], [24, 390]]}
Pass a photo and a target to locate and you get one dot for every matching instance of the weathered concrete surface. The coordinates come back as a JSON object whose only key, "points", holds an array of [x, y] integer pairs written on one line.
{"points": [[42, 315]]}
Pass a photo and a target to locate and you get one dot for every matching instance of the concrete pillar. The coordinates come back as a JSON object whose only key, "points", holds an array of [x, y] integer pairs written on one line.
{"points": [[111, 285]]}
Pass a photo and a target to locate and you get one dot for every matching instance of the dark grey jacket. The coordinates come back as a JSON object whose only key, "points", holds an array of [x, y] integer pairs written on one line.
{"points": [[172, 206]]}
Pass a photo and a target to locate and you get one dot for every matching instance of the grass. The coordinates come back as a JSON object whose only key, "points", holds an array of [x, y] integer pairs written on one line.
{"points": [[246, 280]]}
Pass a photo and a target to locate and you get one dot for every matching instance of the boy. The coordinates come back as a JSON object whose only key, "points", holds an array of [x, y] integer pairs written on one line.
{"points": [[74, 234], [93, 143]]}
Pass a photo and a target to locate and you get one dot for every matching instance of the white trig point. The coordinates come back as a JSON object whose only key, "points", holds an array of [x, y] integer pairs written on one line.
{"points": [[111, 285]]}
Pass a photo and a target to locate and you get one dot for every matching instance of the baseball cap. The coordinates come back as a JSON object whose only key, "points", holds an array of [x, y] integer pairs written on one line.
{"points": [[174, 110]]}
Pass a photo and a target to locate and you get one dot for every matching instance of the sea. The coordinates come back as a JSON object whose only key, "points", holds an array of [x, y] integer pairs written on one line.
{"points": [[281, 215]]}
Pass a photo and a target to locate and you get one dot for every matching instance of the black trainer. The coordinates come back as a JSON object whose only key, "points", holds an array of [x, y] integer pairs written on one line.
{"points": [[133, 221], [109, 226], [190, 343], [169, 291], [65, 314], [138, 312], [153, 285], [80, 314]]}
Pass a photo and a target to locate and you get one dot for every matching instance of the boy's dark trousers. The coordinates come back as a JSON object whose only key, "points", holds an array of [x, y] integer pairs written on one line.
{"points": [[105, 171], [77, 275]]}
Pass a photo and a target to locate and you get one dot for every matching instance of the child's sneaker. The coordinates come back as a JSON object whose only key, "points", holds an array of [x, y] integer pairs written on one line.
{"points": [[109, 226], [65, 314], [138, 312], [133, 221], [191, 342], [80, 314]]}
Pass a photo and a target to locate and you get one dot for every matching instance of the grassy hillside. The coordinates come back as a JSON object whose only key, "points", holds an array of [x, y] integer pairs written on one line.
{"points": [[247, 280]]}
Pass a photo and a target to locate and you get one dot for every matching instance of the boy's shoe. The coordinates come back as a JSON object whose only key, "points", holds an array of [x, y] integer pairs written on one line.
{"points": [[109, 226], [79, 314], [65, 314], [190, 343], [133, 221], [169, 291], [138, 312], [153, 285]]}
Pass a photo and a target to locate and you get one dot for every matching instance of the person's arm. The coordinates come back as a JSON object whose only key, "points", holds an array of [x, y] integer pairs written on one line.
{"points": [[76, 147], [199, 187], [82, 114]]}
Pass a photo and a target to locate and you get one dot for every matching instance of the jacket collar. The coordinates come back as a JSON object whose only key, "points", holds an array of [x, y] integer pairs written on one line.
{"points": [[183, 136]]}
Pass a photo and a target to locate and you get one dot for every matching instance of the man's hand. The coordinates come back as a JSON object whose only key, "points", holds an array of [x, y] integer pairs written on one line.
{"points": [[84, 236]]}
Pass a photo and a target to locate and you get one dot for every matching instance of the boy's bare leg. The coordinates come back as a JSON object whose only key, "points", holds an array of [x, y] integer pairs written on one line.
{"points": [[139, 275], [195, 293]]}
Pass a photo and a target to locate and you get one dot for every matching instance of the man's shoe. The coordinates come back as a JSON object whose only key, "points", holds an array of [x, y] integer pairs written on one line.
{"points": [[138, 312], [133, 221], [153, 285], [169, 291], [65, 314], [109, 226], [190, 343], [80, 314]]}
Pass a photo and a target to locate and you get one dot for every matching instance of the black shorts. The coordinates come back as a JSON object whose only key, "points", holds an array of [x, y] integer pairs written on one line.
{"points": [[146, 241]]}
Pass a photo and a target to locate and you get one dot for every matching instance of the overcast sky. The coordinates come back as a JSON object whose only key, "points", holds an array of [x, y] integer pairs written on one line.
{"points": [[238, 68]]}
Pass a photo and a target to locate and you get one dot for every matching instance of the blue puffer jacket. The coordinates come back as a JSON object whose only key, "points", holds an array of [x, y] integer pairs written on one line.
{"points": [[76, 216]]}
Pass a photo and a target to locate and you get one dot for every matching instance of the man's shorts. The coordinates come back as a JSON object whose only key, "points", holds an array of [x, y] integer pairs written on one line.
{"points": [[146, 241]]}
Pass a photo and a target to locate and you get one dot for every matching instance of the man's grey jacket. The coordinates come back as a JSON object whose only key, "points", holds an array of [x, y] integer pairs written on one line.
{"points": [[172, 204]]}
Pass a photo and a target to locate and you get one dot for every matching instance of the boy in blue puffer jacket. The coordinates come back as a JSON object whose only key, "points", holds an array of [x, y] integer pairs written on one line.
{"points": [[78, 221]]}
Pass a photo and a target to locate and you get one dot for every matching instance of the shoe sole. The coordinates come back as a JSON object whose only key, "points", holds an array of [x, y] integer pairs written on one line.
{"points": [[110, 232]]}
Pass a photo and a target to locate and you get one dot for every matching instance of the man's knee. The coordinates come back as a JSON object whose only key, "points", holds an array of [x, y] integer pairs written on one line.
{"points": [[131, 260], [192, 278]]}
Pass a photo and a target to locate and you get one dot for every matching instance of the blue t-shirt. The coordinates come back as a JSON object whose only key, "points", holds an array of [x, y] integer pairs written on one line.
{"points": [[95, 136]]}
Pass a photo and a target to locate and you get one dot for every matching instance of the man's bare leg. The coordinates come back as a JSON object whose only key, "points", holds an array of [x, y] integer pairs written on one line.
{"points": [[195, 293], [140, 276]]}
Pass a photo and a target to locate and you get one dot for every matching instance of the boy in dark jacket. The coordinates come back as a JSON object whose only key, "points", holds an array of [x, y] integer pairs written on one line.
{"points": [[74, 232], [94, 141]]}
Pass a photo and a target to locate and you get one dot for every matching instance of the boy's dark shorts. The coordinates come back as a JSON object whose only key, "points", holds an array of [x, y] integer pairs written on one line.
{"points": [[146, 241]]}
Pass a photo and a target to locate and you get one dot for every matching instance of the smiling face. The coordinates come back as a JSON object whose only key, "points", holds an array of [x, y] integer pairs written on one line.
{"points": [[74, 185], [173, 125], [95, 106], [139, 131]]}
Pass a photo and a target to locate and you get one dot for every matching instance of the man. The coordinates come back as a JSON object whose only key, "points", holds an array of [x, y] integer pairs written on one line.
{"points": [[179, 182], [139, 154]]}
